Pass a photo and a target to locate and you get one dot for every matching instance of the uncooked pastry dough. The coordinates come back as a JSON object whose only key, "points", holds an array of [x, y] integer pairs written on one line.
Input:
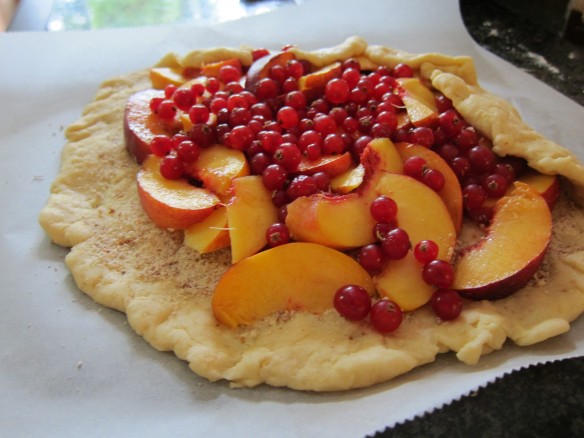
{"points": [[120, 259]]}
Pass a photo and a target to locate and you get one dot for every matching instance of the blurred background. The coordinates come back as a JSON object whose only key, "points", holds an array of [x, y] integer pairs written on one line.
{"points": [[560, 16], [543, 37], [7, 8]]}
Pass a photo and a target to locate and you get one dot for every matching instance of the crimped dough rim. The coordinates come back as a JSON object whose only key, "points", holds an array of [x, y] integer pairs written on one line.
{"points": [[120, 259]]}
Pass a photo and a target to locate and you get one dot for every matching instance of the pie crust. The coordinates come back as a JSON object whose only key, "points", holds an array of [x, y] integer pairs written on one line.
{"points": [[123, 261]]}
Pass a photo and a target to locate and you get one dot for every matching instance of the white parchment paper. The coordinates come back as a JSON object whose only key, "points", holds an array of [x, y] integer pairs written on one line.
{"points": [[71, 368]]}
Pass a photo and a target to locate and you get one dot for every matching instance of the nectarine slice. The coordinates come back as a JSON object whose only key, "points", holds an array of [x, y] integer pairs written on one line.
{"points": [[419, 101], [336, 221], [548, 186], [313, 84], [332, 165], [141, 126], [217, 167], [249, 214], [381, 155], [209, 235], [424, 216], [451, 193], [506, 258], [344, 221], [348, 181], [294, 276], [160, 77], [212, 69], [173, 204]]}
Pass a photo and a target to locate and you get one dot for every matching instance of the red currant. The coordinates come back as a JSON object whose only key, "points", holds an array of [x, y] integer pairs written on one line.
{"points": [[325, 124], [333, 144], [161, 145], [451, 122], [266, 88], [184, 98], [383, 209], [370, 257], [229, 73], [301, 185], [240, 137], [277, 234], [274, 177], [270, 140], [473, 196], [259, 162], [187, 151], [166, 110], [434, 179], [423, 136], [287, 117], [438, 273], [443, 103], [396, 244], [202, 134], [446, 304], [352, 302], [288, 155], [495, 185], [351, 77], [481, 159], [322, 181], [337, 91], [171, 167], [425, 251], [386, 316], [199, 113], [296, 99], [415, 167], [294, 69], [381, 229], [402, 71]]}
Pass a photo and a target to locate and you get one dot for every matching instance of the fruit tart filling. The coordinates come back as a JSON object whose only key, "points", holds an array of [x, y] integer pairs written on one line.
{"points": [[350, 183]]}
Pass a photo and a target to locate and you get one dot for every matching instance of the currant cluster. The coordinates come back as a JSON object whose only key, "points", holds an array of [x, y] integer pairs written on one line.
{"points": [[393, 243], [482, 174], [278, 126], [354, 303]]}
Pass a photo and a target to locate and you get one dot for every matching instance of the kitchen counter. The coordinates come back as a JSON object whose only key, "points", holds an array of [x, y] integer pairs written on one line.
{"points": [[543, 51]]}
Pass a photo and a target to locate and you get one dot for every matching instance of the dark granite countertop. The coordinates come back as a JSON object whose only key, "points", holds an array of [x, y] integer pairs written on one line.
{"points": [[539, 45]]}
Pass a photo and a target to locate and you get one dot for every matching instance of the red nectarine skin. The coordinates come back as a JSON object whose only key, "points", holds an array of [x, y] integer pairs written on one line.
{"points": [[506, 258], [141, 126]]}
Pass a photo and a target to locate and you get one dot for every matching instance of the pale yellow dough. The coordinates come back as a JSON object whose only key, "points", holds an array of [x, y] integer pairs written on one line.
{"points": [[123, 261]]}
